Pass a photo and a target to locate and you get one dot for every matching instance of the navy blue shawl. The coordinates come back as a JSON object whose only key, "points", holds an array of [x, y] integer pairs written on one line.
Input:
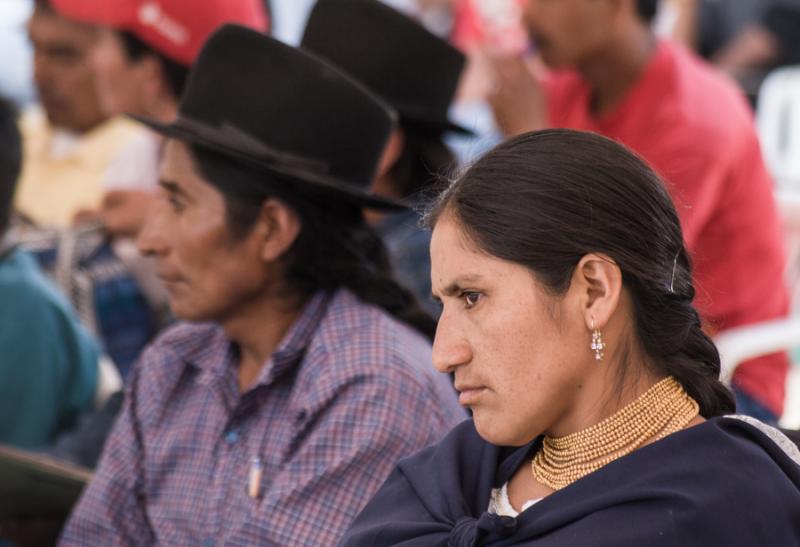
{"points": [[723, 482]]}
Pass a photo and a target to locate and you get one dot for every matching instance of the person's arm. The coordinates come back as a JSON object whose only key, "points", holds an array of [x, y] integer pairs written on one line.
{"points": [[684, 23], [753, 48], [364, 429], [111, 510], [517, 97]]}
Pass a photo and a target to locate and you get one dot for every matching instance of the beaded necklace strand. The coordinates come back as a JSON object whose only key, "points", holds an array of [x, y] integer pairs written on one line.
{"points": [[663, 409]]}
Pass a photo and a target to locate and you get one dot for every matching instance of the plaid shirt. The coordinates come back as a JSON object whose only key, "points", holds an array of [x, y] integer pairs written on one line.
{"points": [[348, 392]]}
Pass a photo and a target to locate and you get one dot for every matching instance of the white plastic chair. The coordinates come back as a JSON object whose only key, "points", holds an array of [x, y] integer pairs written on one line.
{"points": [[778, 120], [743, 343]]}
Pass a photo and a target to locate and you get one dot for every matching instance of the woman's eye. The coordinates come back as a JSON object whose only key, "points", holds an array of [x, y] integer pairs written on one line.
{"points": [[471, 298]]}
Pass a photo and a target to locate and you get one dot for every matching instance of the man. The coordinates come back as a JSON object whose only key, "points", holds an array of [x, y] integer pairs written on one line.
{"points": [[302, 378], [615, 78], [145, 49], [71, 144], [416, 73], [48, 372]]}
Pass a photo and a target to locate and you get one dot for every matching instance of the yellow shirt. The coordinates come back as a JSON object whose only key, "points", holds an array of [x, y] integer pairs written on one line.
{"points": [[64, 173]]}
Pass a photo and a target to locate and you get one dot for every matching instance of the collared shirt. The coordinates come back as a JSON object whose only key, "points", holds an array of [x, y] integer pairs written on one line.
{"points": [[347, 393]]}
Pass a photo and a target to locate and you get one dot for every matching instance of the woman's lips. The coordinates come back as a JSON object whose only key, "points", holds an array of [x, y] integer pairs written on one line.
{"points": [[469, 395]]}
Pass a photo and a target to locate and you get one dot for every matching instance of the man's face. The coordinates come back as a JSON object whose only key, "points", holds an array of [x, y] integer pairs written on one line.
{"points": [[121, 82], [209, 274], [62, 71], [568, 33]]}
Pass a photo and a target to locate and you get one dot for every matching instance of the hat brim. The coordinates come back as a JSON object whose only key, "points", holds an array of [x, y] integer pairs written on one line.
{"points": [[434, 126], [333, 186]]}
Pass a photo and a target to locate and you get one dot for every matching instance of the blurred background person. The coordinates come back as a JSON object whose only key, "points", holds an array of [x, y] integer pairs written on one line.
{"points": [[145, 51], [49, 365], [70, 144], [139, 70], [614, 77], [16, 65], [416, 73]]}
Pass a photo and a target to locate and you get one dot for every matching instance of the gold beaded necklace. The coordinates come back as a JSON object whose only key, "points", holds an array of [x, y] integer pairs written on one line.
{"points": [[663, 409]]}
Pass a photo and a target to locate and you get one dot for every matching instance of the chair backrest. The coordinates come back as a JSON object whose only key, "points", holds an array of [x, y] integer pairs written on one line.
{"points": [[742, 343], [789, 206], [778, 119]]}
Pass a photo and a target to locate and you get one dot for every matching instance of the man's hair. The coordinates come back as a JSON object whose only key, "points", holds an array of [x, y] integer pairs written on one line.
{"points": [[647, 9], [175, 73], [10, 160]]}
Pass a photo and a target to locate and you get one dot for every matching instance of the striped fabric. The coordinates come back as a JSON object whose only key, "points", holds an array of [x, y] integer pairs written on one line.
{"points": [[347, 393]]}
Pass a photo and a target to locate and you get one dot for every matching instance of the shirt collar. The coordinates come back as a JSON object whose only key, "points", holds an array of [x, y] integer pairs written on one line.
{"points": [[216, 356]]}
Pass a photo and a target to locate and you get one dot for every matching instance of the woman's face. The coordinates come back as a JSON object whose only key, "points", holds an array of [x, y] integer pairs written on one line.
{"points": [[520, 356]]}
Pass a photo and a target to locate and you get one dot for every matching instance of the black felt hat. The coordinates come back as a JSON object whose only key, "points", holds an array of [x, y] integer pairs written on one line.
{"points": [[414, 70], [278, 109]]}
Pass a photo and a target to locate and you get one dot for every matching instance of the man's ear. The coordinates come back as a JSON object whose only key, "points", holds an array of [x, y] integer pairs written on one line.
{"points": [[597, 281], [277, 228]]}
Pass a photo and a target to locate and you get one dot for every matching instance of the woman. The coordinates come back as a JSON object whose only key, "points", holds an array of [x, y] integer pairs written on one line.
{"points": [[568, 325]]}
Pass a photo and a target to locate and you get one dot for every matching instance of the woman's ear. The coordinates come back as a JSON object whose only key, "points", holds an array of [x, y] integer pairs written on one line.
{"points": [[277, 228], [597, 281]]}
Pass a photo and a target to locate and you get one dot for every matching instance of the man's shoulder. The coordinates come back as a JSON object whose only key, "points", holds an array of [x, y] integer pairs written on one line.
{"points": [[358, 343], [363, 337]]}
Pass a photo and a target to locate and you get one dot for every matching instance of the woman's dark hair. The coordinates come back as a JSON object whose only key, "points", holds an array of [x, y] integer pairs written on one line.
{"points": [[335, 248], [546, 199], [175, 73], [424, 160], [10, 161], [647, 9]]}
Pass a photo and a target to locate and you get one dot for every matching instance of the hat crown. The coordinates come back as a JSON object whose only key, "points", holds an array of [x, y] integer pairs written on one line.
{"points": [[288, 102], [414, 70]]}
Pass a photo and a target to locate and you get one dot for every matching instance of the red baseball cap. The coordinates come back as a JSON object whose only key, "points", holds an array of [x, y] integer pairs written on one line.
{"points": [[175, 28]]}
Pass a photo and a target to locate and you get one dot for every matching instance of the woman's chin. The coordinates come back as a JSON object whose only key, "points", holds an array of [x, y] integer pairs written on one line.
{"points": [[496, 432]]}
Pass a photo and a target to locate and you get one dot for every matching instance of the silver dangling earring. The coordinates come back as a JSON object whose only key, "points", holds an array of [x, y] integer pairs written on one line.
{"points": [[597, 343]]}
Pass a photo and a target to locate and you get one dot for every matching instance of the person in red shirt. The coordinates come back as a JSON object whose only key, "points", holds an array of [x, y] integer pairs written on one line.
{"points": [[611, 75]]}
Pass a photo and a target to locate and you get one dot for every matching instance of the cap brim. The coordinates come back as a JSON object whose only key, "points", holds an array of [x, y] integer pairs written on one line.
{"points": [[330, 185]]}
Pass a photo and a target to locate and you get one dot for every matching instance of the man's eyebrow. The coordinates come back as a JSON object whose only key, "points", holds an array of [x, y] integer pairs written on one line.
{"points": [[172, 187]]}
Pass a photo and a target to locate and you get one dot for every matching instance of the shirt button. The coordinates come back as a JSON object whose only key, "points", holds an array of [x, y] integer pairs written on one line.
{"points": [[231, 436]]}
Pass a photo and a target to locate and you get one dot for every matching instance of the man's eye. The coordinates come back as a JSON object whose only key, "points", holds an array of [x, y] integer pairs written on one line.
{"points": [[175, 203], [471, 298]]}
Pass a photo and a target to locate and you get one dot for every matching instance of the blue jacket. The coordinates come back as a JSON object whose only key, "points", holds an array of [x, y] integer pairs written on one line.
{"points": [[723, 482]]}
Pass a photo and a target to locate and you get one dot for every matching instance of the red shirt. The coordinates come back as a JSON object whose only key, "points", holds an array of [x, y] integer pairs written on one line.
{"points": [[696, 129]]}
